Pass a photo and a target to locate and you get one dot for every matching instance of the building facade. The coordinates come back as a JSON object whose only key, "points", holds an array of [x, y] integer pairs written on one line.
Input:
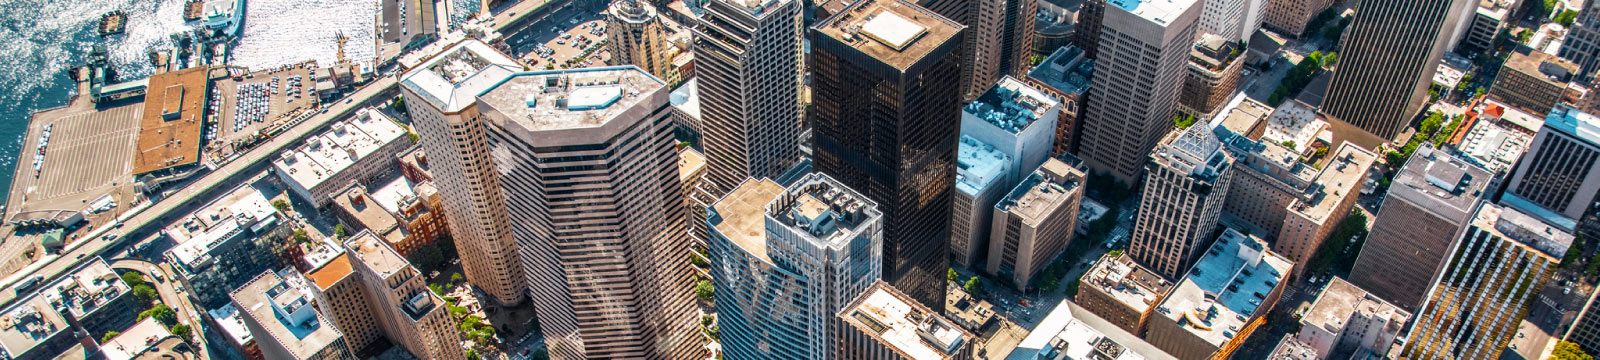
{"points": [[1064, 76], [1532, 81], [982, 173], [1479, 299], [906, 55], [635, 35], [1388, 57], [358, 150], [1213, 76], [1319, 210], [1185, 186], [1122, 292], [279, 312], [1555, 178], [777, 289], [439, 96], [407, 313], [1035, 222], [1143, 48], [1582, 44], [1430, 200], [747, 61], [589, 170], [1290, 17], [1347, 320]]}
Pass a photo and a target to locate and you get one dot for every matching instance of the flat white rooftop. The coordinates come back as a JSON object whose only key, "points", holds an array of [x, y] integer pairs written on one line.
{"points": [[892, 30], [1159, 11]]}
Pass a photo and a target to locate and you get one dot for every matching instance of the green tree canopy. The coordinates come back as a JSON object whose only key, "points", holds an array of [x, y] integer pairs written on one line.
{"points": [[133, 278], [1567, 350], [163, 314], [704, 290], [974, 286]]}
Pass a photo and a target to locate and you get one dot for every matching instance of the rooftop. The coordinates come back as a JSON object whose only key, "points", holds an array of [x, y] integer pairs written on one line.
{"points": [[451, 80], [1011, 105], [1213, 52], [1297, 123], [243, 212], [1549, 68], [1345, 172], [1574, 123], [904, 325], [1495, 145], [756, 8], [823, 211], [1290, 348], [1245, 118], [1072, 333], [896, 32], [1515, 116], [141, 336], [1049, 187], [331, 273], [1340, 300], [29, 323], [685, 98], [1274, 160], [282, 306], [1134, 285], [742, 218], [169, 131], [417, 157], [233, 328], [1226, 287], [346, 142], [1066, 70], [690, 162], [368, 249], [572, 98], [1440, 183], [1161, 12], [1523, 229], [978, 165], [1195, 151], [87, 288]]}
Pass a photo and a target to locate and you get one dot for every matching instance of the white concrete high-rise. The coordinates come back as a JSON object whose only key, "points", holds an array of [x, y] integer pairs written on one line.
{"points": [[747, 65], [777, 290], [1143, 52]]}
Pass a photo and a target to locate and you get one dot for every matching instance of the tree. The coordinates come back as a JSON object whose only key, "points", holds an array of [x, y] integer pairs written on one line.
{"points": [[457, 278], [472, 354], [974, 286], [133, 278], [704, 290], [437, 290], [1464, 84], [147, 296], [1593, 268], [300, 236], [952, 275], [1113, 253], [338, 231], [706, 320], [1328, 61], [1431, 124], [162, 313], [109, 335], [1072, 288], [1574, 252], [183, 332], [1565, 17], [1182, 121], [1567, 350], [282, 206]]}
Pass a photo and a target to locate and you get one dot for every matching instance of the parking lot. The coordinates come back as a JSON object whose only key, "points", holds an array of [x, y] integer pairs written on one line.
{"points": [[87, 157], [245, 103], [547, 46]]}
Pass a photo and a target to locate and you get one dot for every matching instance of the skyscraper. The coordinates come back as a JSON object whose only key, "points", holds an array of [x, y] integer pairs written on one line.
{"points": [[1431, 198], [1143, 51], [439, 96], [1005, 134], [778, 289], [1477, 301], [1184, 187], [1582, 44], [1555, 180], [635, 35], [1387, 61], [747, 65], [589, 171], [886, 104], [276, 308]]}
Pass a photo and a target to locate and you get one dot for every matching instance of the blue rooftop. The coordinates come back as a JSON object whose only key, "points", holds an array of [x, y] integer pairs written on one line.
{"points": [[979, 165], [1066, 70], [1575, 123]]}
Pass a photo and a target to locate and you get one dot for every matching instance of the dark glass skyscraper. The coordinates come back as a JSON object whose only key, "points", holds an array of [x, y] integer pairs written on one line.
{"points": [[887, 108]]}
